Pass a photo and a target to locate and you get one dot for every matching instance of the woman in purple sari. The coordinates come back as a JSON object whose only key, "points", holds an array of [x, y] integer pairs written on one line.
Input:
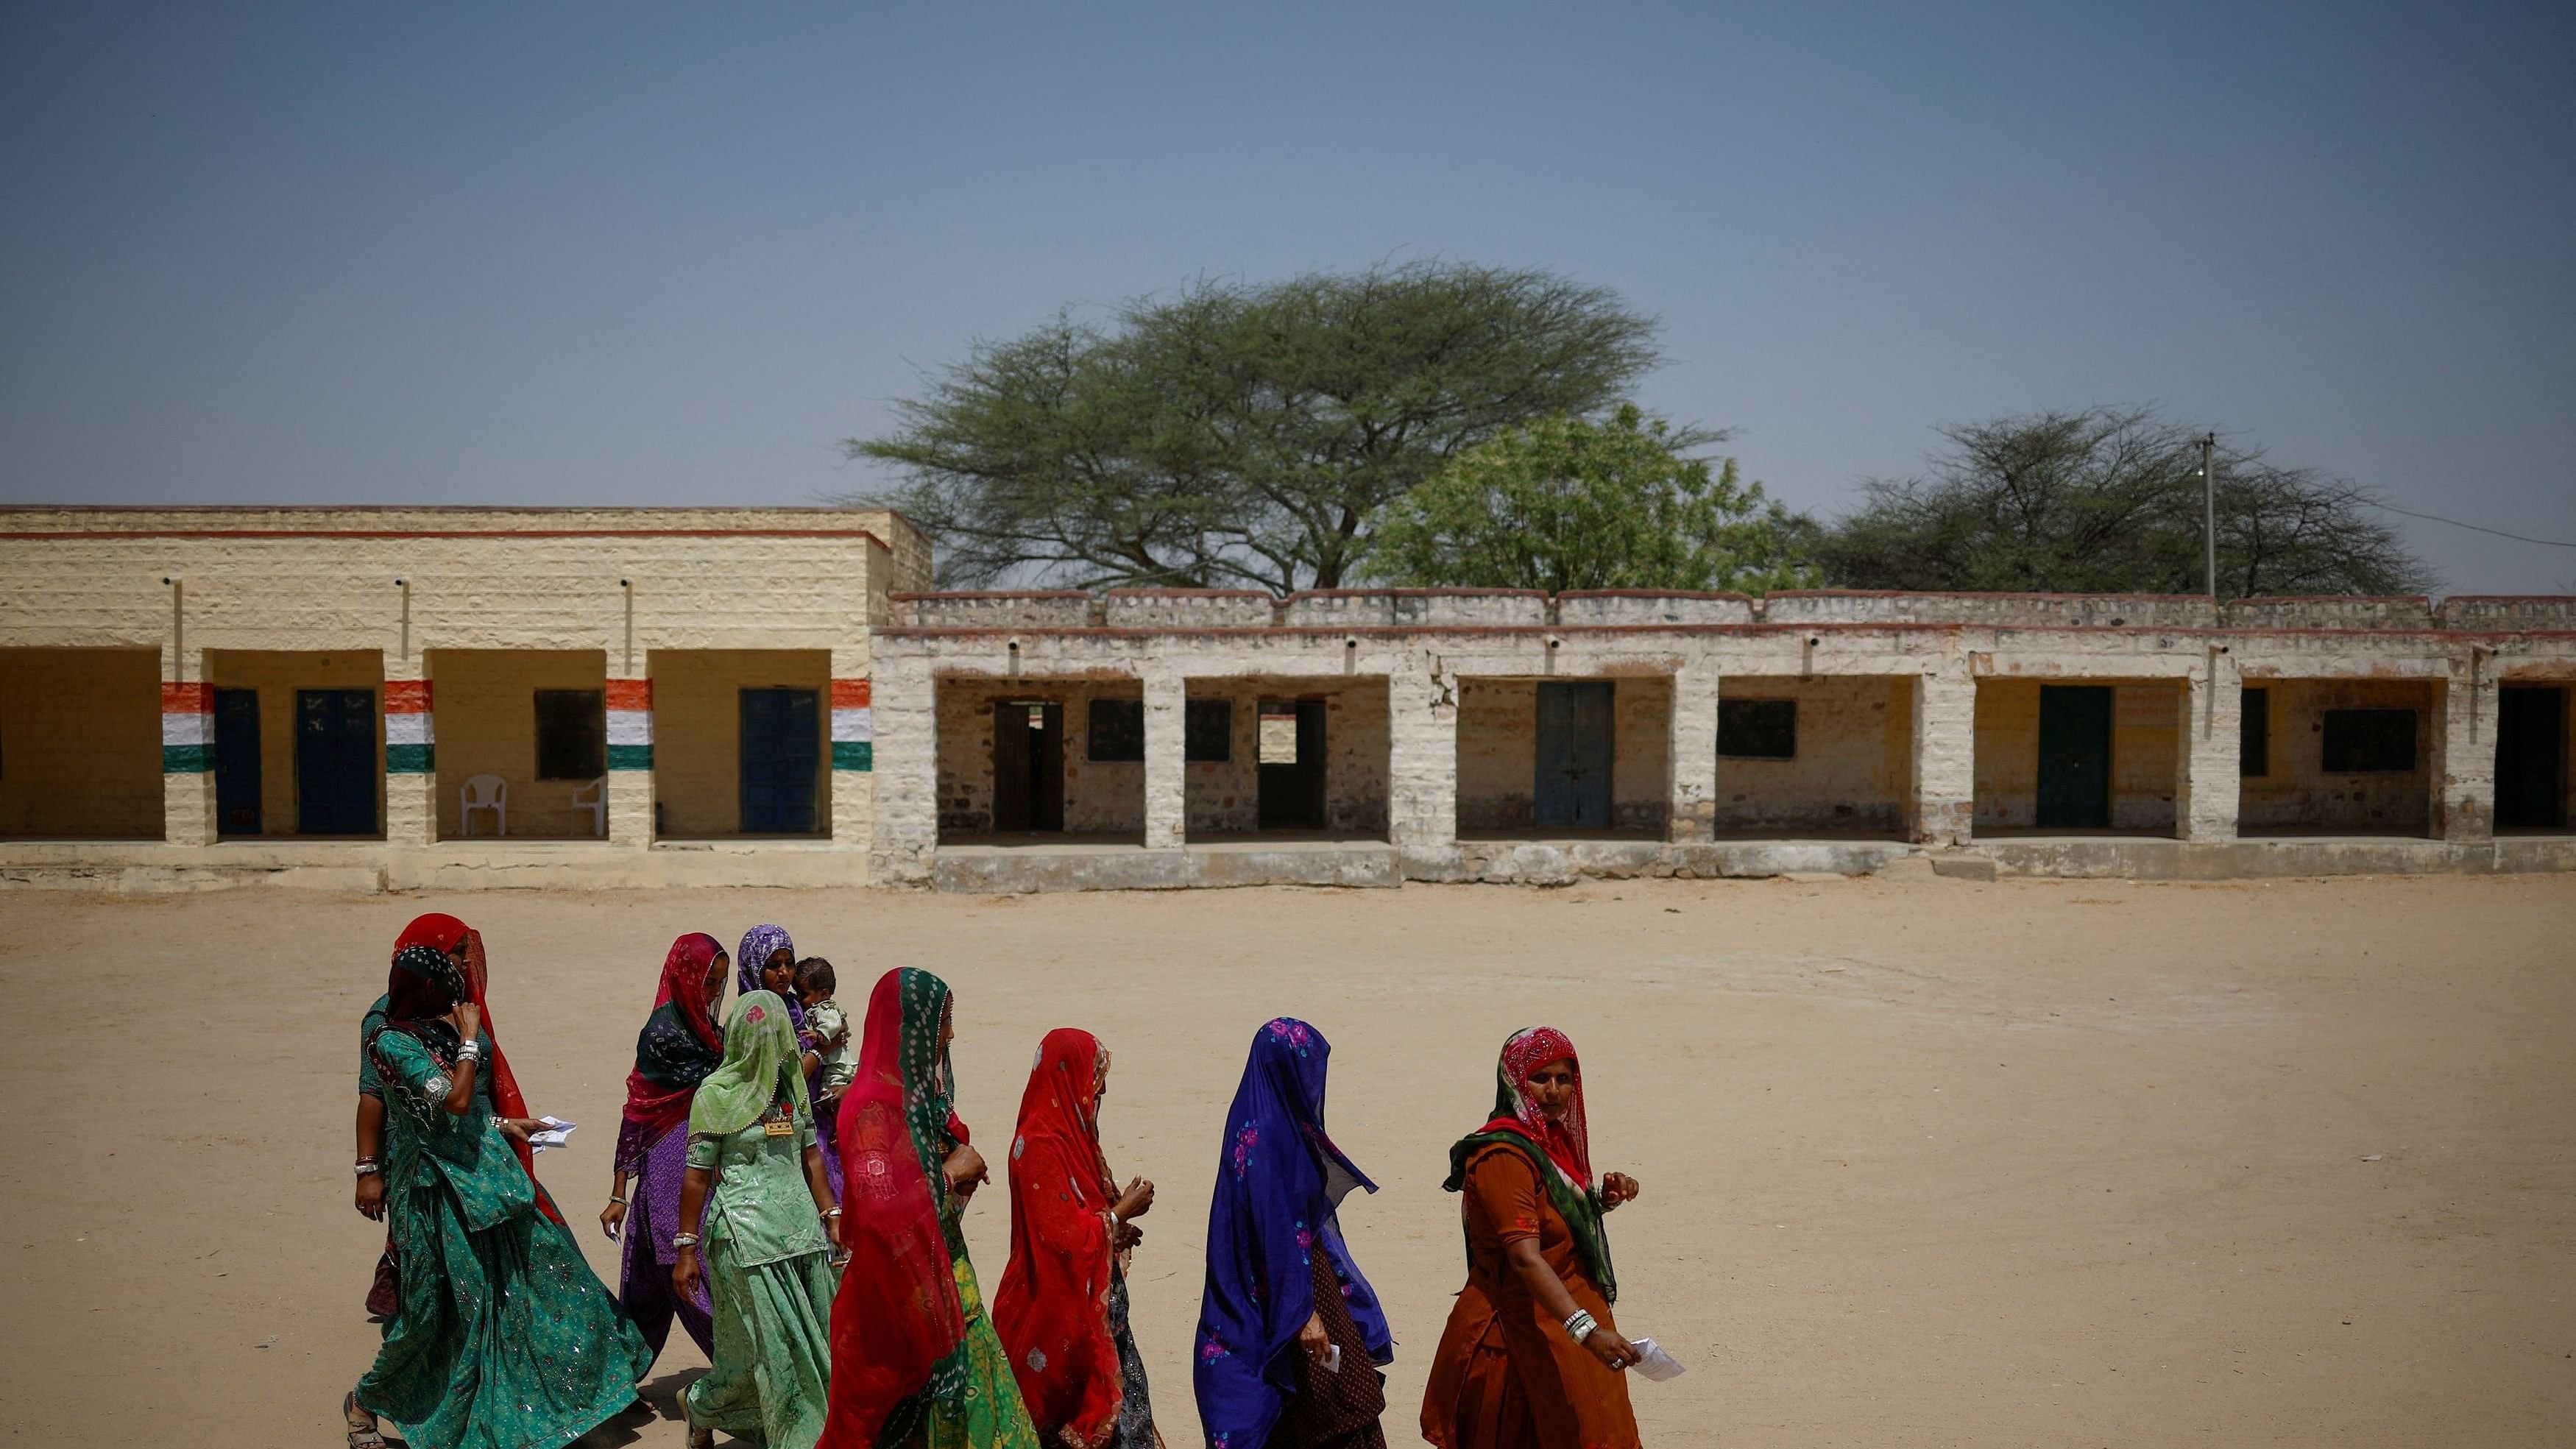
{"points": [[679, 1045], [767, 962], [1290, 1335]]}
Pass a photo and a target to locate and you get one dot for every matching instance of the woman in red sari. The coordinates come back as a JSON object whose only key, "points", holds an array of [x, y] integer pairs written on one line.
{"points": [[1531, 1359], [898, 1323], [1062, 1306]]}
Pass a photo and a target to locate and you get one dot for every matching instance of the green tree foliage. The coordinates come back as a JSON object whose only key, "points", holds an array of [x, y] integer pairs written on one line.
{"points": [[1571, 503], [2108, 500], [1240, 434]]}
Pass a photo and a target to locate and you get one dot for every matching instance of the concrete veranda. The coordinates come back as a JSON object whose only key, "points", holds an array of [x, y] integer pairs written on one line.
{"points": [[1925, 1162]]}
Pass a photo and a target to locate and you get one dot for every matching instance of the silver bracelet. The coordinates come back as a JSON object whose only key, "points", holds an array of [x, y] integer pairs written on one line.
{"points": [[471, 1051], [684, 1240], [1581, 1325], [366, 1166]]}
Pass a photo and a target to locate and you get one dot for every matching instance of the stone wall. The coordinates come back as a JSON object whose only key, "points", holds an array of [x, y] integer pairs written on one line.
{"points": [[80, 744], [1854, 762], [1100, 796], [2297, 793], [1225, 799]]}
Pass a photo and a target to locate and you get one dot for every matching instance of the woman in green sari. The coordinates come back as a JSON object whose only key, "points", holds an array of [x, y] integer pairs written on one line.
{"points": [[915, 1361], [767, 1263], [505, 1338]]}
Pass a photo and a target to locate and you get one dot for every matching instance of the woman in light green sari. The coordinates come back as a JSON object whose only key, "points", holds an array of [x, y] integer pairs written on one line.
{"points": [[767, 1260]]}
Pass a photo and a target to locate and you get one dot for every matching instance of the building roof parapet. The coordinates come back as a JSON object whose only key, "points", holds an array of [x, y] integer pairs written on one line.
{"points": [[1905, 606], [1414, 608], [2328, 612], [2507, 612], [1576, 608], [1188, 608], [995, 609]]}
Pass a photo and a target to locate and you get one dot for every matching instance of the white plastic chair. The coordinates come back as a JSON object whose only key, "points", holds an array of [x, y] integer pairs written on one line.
{"points": [[593, 797], [484, 792]]}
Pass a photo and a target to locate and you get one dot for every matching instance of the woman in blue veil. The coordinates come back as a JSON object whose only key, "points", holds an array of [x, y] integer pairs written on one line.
{"points": [[1290, 1334]]}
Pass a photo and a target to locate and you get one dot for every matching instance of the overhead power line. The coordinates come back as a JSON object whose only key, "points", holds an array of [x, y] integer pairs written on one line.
{"points": [[2472, 527]]}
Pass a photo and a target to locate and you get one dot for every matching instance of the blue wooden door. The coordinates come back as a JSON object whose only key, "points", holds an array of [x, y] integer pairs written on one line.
{"points": [[782, 753], [237, 777], [2074, 756], [1573, 789], [335, 762]]}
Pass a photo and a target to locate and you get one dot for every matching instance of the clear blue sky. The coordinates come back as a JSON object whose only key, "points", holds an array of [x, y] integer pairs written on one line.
{"points": [[485, 253]]}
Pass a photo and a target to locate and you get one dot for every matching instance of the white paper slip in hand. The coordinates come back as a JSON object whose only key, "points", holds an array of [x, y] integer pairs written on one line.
{"points": [[1653, 1362], [554, 1134], [1333, 1359]]}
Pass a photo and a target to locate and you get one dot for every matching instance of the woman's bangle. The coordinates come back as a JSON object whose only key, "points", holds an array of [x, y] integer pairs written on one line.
{"points": [[1581, 1325], [684, 1240], [366, 1165], [621, 1202], [831, 1212], [469, 1051]]}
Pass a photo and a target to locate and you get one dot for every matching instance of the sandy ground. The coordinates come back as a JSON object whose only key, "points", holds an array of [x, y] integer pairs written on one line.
{"points": [[1925, 1163]]}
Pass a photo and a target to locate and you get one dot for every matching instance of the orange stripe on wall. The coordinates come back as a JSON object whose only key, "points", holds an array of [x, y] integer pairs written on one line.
{"points": [[630, 694], [406, 696], [187, 698], [849, 694]]}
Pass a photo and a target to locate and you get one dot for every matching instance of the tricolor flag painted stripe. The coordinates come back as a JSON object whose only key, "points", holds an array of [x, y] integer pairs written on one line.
{"points": [[854, 729], [187, 729], [411, 732], [630, 724]]}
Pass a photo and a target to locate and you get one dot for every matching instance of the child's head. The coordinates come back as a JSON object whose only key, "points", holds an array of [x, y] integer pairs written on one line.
{"points": [[814, 978]]}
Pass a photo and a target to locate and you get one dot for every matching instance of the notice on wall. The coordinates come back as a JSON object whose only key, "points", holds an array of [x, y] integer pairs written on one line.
{"points": [[1279, 739]]}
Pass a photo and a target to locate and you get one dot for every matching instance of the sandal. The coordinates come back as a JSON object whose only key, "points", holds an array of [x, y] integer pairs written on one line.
{"points": [[363, 1432], [701, 1437]]}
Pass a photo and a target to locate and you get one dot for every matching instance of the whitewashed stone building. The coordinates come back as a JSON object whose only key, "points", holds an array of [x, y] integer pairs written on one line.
{"points": [[438, 698]]}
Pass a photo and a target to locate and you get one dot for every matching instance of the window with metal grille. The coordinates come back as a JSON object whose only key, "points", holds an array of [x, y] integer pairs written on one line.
{"points": [[572, 735], [1757, 729], [2368, 741], [1117, 732], [1207, 733]]}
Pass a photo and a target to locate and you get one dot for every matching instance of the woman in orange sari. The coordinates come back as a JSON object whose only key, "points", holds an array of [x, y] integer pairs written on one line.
{"points": [[1531, 1359]]}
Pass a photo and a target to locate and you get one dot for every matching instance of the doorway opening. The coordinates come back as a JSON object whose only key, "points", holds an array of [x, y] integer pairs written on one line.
{"points": [[782, 757], [1028, 766], [2531, 758], [1572, 789], [1290, 750]]}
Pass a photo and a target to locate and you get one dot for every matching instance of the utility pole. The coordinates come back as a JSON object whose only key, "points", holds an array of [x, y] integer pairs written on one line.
{"points": [[2209, 514]]}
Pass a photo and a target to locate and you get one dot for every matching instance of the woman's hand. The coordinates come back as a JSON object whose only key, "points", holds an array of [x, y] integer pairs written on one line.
{"points": [[1616, 1188], [1125, 1236], [1136, 1201], [612, 1218], [468, 1019], [1314, 1340], [1615, 1352], [371, 1196], [517, 1129], [684, 1274], [966, 1170]]}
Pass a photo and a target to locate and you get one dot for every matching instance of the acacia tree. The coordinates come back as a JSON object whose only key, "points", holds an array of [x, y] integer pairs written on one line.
{"points": [[1571, 503], [1239, 434], [2109, 500]]}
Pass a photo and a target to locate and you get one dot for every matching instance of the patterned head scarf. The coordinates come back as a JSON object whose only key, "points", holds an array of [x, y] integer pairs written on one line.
{"points": [[758, 945], [680, 1043], [898, 1327], [1568, 1143], [760, 1067], [1053, 1306], [1279, 1185], [1560, 1152], [424, 986]]}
